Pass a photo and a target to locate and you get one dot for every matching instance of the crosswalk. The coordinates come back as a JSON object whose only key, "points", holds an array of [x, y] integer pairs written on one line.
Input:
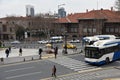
{"points": [[72, 64], [96, 75]]}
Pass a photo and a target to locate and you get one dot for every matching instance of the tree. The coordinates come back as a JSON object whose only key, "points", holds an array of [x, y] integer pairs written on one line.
{"points": [[117, 5], [20, 32]]}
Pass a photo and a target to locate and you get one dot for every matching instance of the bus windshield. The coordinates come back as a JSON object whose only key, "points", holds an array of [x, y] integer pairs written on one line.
{"points": [[92, 53]]}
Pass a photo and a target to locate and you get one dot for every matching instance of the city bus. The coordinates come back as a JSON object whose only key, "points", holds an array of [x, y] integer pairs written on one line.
{"points": [[102, 51], [56, 39], [98, 37]]}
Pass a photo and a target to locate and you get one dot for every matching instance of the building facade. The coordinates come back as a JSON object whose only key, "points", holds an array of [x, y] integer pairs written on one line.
{"points": [[7, 31], [91, 23], [75, 25]]}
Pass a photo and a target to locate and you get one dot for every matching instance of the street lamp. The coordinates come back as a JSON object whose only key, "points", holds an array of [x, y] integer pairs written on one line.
{"points": [[65, 47]]}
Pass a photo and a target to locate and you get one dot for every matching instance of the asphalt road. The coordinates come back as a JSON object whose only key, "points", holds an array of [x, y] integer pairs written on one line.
{"points": [[40, 69], [31, 71], [37, 70]]}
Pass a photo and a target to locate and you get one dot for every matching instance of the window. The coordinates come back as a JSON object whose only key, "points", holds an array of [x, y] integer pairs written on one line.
{"points": [[4, 28], [111, 29], [74, 30], [116, 30], [85, 30], [107, 29], [94, 30], [10, 29]]}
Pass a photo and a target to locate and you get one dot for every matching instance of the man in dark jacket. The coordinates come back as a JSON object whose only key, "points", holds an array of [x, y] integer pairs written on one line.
{"points": [[54, 71], [40, 52], [20, 52], [56, 52], [7, 52]]}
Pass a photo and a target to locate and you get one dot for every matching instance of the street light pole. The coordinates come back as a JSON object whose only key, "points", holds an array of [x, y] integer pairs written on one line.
{"points": [[65, 47]]}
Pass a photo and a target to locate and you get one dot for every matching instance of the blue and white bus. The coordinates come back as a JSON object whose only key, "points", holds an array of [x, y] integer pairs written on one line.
{"points": [[98, 37], [56, 39], [102, 51]]}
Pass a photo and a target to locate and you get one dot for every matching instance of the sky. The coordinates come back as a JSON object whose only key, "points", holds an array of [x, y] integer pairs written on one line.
{"points": [[17, 7]]}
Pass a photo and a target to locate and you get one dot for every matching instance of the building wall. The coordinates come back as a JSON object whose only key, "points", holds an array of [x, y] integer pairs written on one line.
{"points": [[112, 28], [7, 31], [90, 27]]}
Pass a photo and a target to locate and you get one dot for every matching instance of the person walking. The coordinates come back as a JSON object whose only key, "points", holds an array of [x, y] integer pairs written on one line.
{"points": [[54, 71], [40, 52], [20, 52], [7, 52], [55, 52]]}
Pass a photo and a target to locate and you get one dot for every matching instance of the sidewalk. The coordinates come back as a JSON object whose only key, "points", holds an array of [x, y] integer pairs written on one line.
{"points": [[28, 55]]}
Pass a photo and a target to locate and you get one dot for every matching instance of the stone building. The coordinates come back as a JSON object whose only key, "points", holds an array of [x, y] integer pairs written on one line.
{"points": [[91, 23], [7, 31], [36, 27], [75, 25]]}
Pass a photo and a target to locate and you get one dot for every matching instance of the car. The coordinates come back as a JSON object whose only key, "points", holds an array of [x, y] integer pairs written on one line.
{"points": [[70, 46], [42, 42], [74, 41], [15, 42]]}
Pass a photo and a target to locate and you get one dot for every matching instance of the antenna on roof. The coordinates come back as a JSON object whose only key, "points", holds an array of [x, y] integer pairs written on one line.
{"points": [[97, 4]]}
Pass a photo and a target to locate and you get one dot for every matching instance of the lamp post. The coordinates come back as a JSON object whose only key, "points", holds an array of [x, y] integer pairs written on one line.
{"points": [[65, 47]]}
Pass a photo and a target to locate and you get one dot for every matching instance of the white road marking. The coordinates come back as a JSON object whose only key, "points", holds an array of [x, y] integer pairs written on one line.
{"points": [[19, 69], [11, 77]]}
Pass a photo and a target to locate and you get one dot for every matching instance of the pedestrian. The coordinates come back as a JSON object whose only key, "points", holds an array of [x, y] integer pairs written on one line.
{"points": [[20, 52], [7, 52], [54, 71], [40, 52], [55, 52]]}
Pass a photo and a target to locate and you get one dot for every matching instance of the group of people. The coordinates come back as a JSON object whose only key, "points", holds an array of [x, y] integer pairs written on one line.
{"points": [[55, 52], [7, 52]]}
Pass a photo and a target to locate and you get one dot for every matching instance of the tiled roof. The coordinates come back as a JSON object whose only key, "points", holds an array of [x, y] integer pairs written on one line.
{"points": [[109, 15], [71, 18]]}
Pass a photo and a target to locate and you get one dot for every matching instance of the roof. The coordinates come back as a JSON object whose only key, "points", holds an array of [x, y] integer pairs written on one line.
{"points": [[71, 18], [110, 16]]}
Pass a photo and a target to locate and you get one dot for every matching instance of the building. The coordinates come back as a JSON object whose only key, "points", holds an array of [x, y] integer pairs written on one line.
{"points": [[90, 23], [37, 27], [7, 31], [29, 10], [75, 25], [61, 12]]}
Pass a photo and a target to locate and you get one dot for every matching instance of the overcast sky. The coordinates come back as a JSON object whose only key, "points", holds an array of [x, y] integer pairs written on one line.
{"points": [[17, 7]]}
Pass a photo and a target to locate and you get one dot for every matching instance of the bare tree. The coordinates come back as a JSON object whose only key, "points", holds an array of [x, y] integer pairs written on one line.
{"points": [[117, 5]]}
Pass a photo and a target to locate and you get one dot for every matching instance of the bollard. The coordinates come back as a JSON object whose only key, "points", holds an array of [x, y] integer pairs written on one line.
{"points": [[32, 58], [24, 60], [1, 59]]}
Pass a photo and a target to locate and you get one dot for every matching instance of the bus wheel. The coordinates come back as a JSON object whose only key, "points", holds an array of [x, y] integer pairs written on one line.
{"points": [[107, 60]]}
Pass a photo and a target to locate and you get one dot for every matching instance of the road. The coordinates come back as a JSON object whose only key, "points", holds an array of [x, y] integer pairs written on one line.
{"points": [[40, 69], [71, 67]]}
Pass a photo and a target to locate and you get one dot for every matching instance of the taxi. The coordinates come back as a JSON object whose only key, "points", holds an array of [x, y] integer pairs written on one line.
{"points": [[70, 46]]}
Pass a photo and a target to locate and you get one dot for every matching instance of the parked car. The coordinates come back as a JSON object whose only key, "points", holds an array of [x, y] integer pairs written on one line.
{"points": [[43, 41], [74, 41], [70, 46], [15, 42]]}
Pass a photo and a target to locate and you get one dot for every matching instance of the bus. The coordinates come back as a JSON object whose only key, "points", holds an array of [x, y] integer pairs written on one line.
{"points": [[56, 39], [102, 51], [98, 37]]}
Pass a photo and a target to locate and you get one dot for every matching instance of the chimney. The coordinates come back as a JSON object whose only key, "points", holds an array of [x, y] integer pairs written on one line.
{"points": [[86, 10], [111, 8], [101, 8]]}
